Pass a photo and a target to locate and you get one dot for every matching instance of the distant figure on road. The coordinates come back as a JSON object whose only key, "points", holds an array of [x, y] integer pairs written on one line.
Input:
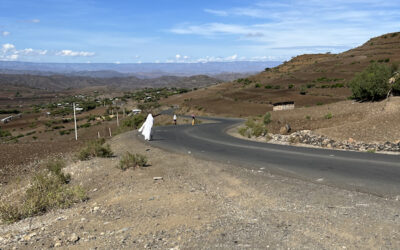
{"points": [[175, 119], [193, 119], [146, 127]]}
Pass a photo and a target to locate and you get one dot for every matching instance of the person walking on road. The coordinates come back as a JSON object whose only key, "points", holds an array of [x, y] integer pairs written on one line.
{"points": [[146, 127], [193, 119], [175, 119]]}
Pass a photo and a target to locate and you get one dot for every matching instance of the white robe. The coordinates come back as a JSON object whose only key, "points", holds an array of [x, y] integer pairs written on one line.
{"points": [[146, 127]]}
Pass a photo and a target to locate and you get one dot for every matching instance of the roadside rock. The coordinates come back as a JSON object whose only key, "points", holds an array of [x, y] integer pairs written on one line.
{"points": [[285, 129], [73, 238], [310, 138]]}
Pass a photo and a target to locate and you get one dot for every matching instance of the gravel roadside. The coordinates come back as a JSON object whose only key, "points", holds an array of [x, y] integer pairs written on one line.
{"points": [[200, 204]]}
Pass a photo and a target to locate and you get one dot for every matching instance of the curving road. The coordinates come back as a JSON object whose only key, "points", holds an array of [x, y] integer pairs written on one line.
{"points": [[378, 174]]}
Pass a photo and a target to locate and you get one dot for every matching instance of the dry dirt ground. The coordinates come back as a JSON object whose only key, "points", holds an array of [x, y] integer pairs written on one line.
{"points": [[369, 122], [204, 205]]}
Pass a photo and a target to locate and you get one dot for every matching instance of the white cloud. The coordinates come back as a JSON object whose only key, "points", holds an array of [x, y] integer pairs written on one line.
{"points": [[5, 33], [31, 52], [210, 29], [7, 47], [216, 12], [30, 21], [13, 57], [179, 59], [8, 52], [67, 52], [233, 57], [218, 59], [312, 26]]}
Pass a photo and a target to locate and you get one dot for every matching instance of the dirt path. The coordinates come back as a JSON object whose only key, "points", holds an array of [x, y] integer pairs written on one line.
{"points": [[205, 205]]}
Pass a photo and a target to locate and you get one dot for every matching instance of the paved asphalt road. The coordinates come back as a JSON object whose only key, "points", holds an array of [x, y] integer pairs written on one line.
{"points": [[378, 174]]}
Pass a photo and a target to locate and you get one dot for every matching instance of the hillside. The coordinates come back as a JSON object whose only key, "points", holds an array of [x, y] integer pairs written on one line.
{"points": [[308, 80]]}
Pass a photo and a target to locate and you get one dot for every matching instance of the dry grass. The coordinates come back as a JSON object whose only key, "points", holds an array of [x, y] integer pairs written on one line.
{"points": [[95, 148], [130, 160], [48, 189]]}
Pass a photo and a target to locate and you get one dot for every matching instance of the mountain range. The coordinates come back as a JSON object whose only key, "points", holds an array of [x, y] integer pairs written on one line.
{"points": [[140, 70]]}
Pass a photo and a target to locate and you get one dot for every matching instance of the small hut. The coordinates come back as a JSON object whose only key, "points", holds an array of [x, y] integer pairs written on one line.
{"points": [[283, 106]]}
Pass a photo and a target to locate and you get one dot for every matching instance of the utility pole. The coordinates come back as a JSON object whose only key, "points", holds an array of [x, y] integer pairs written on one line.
{"points": [[76, 129], [117, 119]]}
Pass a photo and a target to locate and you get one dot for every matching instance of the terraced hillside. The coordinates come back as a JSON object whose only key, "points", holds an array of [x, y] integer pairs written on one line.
{"points": [[308, 80]]}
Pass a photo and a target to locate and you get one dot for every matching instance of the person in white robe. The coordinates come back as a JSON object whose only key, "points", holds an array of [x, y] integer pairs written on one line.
{"points": [[146, 127]]}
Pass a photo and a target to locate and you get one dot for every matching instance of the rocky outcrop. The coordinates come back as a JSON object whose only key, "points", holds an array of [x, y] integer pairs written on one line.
{"points": [[310, 138]]}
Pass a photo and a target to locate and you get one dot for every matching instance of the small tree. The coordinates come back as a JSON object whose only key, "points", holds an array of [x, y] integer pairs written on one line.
{"points": [[372, 83], [267, 118]]}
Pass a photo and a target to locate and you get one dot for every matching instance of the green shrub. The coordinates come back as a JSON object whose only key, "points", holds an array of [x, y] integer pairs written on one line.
{"points": [[30, 133], [91, 117], [55, 167], [250, 122], [257, 85], [394, 67], [254, 128], [95, 148], [129, 160], [134, 121], [337, 85], [245, 81], [4, 133], [303, 91], [290, 86], [268, 86], [267, 118], [242, 131], [310, 85], [372, 83], [259, 130], [11, 111], [65, 132], [85, 125], [48, 190], [328, 116], [58, 127]]}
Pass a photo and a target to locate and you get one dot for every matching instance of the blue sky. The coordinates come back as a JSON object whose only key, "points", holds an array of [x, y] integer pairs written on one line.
{"points": [[133, 31]]}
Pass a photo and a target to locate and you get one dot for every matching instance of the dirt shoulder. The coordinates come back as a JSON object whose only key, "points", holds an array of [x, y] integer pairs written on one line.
{"points": [[370, 122], [202, 204]]}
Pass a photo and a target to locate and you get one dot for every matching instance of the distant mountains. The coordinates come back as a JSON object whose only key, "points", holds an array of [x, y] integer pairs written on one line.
{"points": [[61, 76], [140, 70], [62, 82]]}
